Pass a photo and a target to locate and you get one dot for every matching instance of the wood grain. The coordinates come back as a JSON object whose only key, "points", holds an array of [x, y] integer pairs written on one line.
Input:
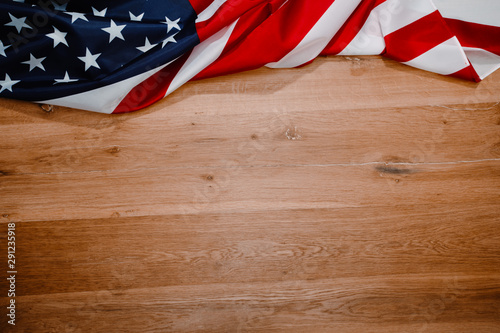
{"points": [[323, 243], [350, 305], [351, 195], [245, 188]]}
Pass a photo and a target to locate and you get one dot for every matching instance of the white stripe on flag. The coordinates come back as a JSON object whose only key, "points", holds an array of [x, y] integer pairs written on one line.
{"points": [[201, 57], [319, 36], [210, 11], [484, 62], [369, 39], [384, 19], [485, 12], [397, 14], [446, 58]]}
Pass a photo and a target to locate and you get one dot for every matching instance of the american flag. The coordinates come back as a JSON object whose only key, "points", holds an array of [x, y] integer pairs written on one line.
{"points": [[114, 57]]}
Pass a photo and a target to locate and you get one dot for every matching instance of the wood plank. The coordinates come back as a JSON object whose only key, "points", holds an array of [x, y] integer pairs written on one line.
{"points": [[47, 197], [409, 135], [255, 247], [420, 303], [303, 117]]}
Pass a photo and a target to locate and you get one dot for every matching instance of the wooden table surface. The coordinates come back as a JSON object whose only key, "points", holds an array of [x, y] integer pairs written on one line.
{"points": [[351, 195]]}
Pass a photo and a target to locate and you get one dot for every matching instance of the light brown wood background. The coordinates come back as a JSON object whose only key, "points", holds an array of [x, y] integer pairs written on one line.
{"points": [[351, 195]]}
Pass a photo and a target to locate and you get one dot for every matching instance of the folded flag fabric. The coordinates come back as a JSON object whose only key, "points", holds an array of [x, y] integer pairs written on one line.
{"points": [[112, 57]]}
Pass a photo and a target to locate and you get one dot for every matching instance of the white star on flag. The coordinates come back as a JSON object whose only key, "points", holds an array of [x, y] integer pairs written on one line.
{"points": [[8, 83], [3, 48], [169, 39], [19, 23], [66, 79], [90, 60], [171, 24], [114, 31], [101, 13], [58, 37], [58, 6], [35, 62], [137, 18], [76, 16], [147, 46]]}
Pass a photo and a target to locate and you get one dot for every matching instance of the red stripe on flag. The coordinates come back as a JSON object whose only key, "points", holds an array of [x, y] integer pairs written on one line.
{"points": [[282, 30], [417, 38], [351, 28], [152, 89], [468, 73], [232, 10], [476, 35]]}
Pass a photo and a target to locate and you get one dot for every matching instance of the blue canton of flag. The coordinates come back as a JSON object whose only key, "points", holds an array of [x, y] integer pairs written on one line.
{"points": [[50, 49]]}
